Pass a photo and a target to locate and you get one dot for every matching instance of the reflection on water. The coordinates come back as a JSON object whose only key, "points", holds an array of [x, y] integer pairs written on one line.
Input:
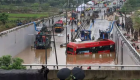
{"points": [[40, 56], [91, 59], [34, 56]]}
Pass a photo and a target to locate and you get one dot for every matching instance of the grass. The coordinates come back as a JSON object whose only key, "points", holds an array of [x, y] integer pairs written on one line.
{"points": [[8, 25], [28, 17], [23, 17], [16, 18], [12, 15]]}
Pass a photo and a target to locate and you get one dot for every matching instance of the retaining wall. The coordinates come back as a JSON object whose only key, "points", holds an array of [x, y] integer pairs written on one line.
{"points": [[52, 75], [15, 40]]}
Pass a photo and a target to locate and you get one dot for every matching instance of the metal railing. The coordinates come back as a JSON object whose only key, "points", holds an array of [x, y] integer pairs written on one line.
{"points": [[71, 65], [135, 54], [97, 66]]}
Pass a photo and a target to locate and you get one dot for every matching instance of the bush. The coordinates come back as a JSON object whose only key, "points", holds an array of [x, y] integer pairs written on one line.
{"points": [[7, 62], [35, 17], [3, 18], [7, 26]]}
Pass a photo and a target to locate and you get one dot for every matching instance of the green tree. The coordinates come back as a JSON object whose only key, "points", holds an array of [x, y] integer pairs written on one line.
{"points": [[45, 6], [17, 63], [131, 5], [7, 62], [35, 5], [3, 18]]}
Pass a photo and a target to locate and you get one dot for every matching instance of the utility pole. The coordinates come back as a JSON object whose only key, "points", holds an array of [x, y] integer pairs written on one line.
{"points": [[45, 49], [66, 30], [77, 14], [117, 3], [80, 11], [68, 3], [46, 46], [84, 4], [72, 29], [55, 48]]}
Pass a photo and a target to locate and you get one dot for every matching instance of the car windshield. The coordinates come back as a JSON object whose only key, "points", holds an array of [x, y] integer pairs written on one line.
{"points": [[58, 25]]}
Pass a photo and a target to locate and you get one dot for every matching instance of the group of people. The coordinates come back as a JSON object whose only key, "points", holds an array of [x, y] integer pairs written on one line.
{"points": [[120, 25], [72, 20], [64, 73], [52, 20]]}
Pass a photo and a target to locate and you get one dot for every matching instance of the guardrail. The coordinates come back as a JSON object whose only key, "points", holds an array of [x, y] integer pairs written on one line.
{"points": [[98, 66], [22, 26], [135, 54]]}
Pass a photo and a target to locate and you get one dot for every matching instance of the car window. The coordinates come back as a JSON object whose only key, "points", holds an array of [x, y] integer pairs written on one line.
{"points": [[58, 25]]}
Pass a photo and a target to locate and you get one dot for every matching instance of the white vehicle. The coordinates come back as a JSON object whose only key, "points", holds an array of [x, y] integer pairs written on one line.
{"points": [[90, 3]]}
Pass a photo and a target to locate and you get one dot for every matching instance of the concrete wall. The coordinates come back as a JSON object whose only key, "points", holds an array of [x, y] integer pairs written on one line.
{"points": [[104, 74], [125, 55], [16, 41], [89, 75]]}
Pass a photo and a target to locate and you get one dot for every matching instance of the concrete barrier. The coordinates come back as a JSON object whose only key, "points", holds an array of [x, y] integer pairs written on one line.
{"points": [[90, 74], [104, 74], [15, 40]]}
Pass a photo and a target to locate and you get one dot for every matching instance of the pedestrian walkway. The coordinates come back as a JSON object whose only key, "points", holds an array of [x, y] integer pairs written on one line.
{"points": [[129, 37]]}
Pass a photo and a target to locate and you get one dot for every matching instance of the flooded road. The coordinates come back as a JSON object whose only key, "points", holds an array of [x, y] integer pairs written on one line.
{"points": [[92, 59], [36, 56], [106, 58]]}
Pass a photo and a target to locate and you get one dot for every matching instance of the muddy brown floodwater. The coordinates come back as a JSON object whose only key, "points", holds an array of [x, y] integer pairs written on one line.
{"points": [[92, 59], [33, 56], [36, 56]]}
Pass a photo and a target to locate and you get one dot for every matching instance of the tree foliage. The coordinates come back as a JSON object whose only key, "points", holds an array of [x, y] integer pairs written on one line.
{"points": [[136, 20], [131, 5], [35, 5], [50, 2], [7, 62], [45, 6], [3, 18]]}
